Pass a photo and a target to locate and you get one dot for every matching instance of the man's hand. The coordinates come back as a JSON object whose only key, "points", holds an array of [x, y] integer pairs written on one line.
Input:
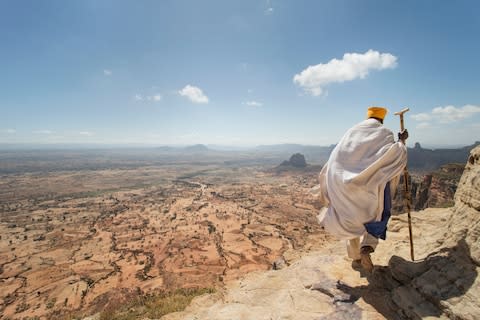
{"points": [[403, 135]]}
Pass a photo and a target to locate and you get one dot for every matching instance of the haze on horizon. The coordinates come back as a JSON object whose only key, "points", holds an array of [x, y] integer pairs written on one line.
{"points": [[243, 73]]}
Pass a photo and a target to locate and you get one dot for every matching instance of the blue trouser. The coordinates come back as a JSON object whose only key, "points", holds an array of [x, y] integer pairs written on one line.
{"points": [[378, 229]]}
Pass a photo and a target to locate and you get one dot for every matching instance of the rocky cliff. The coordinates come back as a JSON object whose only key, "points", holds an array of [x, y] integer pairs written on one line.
{"points": [[433, 190], [464, 224], [442, 282]]}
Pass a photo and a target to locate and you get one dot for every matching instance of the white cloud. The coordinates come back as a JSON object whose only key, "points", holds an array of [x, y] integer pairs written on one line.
{"points": [[447, 114], [107, 72], [269, 9], [253, 103], [195, 94], [155, 97], [424, 125], [421, 117], [352, 66], [10, 131], [86, 133], [451, 114], [43, 132]]}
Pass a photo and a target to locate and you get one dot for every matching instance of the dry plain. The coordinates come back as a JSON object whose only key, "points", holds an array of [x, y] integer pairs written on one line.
{"points": [[76, 241]]}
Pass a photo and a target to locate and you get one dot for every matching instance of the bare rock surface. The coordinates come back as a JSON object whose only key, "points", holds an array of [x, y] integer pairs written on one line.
{"points": [[465, 222], [442, 282]]}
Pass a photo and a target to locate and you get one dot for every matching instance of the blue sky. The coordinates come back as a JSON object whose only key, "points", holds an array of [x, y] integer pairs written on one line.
{"points": [[236, 72]]}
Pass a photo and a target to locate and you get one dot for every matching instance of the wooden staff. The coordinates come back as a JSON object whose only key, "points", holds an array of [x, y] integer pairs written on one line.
{"points": [[405, 183]]}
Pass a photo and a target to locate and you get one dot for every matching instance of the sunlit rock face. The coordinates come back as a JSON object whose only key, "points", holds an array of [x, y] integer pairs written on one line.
{"points": [[465, 222]]}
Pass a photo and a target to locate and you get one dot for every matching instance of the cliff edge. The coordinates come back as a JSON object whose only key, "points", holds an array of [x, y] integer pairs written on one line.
{"points": [[442, 283]]}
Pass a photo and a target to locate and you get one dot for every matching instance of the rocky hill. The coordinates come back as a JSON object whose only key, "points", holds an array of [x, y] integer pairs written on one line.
{"points": [[441, 283], [296, 164], [297, 160]]}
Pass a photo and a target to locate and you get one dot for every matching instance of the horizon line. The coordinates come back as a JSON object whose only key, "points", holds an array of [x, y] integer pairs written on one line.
{"points": [[98, 145]]}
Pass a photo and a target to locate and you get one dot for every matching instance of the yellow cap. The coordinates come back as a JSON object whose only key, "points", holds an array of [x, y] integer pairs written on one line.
{"points": [[376, 112]]}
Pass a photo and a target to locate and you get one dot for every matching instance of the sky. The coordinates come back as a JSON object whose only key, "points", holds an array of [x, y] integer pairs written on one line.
{"points": [[239, 73]]}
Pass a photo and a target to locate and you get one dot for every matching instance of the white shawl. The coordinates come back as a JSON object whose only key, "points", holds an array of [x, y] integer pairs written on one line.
{"points": [[353, 180]]}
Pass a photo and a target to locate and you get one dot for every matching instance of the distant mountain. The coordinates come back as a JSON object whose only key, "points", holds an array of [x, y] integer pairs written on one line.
{"points": [[431, 159], [165, 148], [287, 147], [419, 158], [197, 148], [221, 147]]}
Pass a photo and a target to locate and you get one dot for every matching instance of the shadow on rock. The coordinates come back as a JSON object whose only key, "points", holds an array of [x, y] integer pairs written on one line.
{"points": [[414, 290]]}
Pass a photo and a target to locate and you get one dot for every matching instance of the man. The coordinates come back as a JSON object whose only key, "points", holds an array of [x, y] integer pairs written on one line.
{"points": [[357, 184]]}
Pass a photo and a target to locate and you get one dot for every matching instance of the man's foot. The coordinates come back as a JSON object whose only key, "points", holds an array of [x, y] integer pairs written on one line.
{"points": [[357, 265], [365, 259]]}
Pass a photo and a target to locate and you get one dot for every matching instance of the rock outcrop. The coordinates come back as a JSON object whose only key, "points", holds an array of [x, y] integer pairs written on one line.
{"points": [[297, 160], [465, 221], [445, 283], [441, 283]]}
